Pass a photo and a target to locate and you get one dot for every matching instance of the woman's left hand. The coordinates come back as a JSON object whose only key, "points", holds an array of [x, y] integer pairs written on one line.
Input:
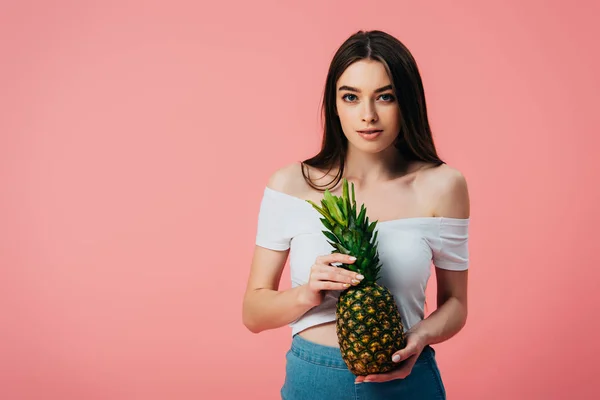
{"points": [[415, 342]]}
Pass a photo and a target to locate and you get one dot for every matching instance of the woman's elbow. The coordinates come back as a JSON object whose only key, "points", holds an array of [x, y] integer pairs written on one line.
{"points": [[251, 326], [248, 320]]}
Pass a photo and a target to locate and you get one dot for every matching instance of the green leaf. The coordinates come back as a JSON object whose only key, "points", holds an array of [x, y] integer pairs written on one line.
{"points": [[364, 246], [342, 249], [329, 200], [337, 231], [342, 207], [335, 211], [361, 217], [347, 236], [371, 253], [325, 205], [372, 227], [346, 198], [321, 211], [326, 223], [314, 205], [364, 263], [349, 231], [331, 236], [356, 238], [345, 194]]}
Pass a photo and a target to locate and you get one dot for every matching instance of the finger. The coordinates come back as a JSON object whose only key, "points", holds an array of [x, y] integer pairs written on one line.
{"points": [[337, 275], [399, 373], [331, 277], [344, 272], [336, 258], [378, 378], [406, 352], [406, 368], [327, 285]]}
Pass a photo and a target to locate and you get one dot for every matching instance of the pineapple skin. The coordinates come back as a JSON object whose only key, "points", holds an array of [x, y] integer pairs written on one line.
{"points": [[369, 329]]}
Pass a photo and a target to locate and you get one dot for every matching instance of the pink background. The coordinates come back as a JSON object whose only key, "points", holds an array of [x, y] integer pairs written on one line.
{"points": [[129, 190]]}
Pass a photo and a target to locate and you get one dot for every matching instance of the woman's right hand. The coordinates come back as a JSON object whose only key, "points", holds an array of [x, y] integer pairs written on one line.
{"points": [[324, 276]]}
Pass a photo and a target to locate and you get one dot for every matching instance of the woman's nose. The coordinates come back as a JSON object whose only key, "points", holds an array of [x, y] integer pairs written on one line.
{"points": [[369, 113]]}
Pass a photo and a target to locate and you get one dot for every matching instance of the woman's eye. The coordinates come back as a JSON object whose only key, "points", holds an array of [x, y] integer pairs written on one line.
{"points": [[388, 98]]}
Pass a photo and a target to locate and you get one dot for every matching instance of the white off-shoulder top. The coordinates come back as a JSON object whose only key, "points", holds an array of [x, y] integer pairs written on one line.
{"points": [[407, 248]]}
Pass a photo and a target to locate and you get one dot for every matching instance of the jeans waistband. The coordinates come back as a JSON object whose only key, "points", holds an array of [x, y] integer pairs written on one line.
{"points": [[330, 356], [315, 353]]}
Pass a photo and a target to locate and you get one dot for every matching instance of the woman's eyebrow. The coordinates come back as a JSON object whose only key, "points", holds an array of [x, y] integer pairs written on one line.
{"points": [[352, 89]]}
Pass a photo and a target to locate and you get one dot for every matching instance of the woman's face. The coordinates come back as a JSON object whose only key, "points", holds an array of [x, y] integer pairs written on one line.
{"points": [[366, 101]]}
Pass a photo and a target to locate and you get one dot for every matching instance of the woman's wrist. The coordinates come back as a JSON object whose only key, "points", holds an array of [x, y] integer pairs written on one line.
{"points": [[305, 298], [421, 334]]}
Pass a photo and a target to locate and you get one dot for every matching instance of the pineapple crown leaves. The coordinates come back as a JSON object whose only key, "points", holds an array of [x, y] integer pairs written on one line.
{"points": [[349, 231]]}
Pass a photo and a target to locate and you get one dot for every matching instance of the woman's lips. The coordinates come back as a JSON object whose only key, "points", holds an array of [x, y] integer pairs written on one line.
{"points": [[370, 134]]}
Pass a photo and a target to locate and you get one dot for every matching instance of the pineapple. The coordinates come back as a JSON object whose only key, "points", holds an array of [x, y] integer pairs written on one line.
{"points": [[368, 324]]}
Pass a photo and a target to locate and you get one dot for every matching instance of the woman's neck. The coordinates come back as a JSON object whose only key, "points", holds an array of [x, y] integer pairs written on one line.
{"points": [[368, 168]]}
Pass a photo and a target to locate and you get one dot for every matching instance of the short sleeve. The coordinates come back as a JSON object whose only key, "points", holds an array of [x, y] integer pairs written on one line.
{"points": [[272, 229], [451, 250]]}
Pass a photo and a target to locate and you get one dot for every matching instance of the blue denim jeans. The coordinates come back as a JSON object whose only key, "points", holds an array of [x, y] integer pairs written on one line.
{"points": [[315, 372]]}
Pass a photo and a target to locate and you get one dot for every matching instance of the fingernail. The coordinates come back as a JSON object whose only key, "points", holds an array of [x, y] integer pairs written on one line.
{"points": [[355, 282], [346, 285], [352, 258], [360, 277], [396, 358]]}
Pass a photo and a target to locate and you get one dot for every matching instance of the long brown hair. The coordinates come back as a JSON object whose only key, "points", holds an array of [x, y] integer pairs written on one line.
{"points": [[415, 141]]}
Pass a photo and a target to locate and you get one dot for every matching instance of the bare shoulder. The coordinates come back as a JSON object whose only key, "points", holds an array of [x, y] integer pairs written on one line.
{"points": [[287, 179], [448, 186]]}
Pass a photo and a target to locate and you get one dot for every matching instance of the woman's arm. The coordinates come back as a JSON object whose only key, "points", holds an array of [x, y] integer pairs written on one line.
{"points": [[264, 306], [267, 308], [451, 313]]}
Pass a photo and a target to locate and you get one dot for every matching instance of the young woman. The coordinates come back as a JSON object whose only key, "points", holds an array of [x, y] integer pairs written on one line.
{"points": [[376, 135]]}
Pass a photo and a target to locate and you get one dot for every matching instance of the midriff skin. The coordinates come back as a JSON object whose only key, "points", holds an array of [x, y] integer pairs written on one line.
{"points": [[323, 334]]}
